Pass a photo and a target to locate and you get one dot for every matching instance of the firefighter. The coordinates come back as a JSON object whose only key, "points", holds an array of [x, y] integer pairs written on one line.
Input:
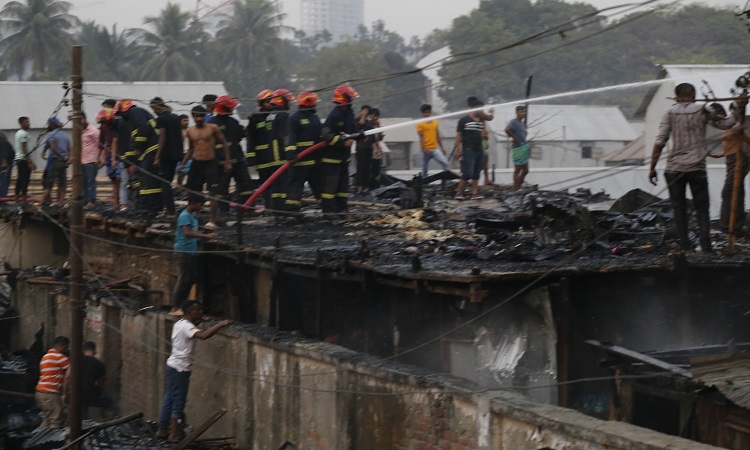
{"points": [[281, 102], [144, 142], [303, 131], [259, 136], [233, 133], [334, 164]]}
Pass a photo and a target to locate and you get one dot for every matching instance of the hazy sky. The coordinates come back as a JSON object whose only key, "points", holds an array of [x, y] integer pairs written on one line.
{"points": [[407, 17]]}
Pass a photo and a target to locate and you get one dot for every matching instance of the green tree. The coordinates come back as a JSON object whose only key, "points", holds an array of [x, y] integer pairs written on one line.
{"points": [[109, 55], [365, 61], [37, 33], [173, 46], [249, 44]]}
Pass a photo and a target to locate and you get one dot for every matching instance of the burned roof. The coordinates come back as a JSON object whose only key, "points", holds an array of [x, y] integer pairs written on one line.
{"points": [[405, 231], [730, 374]]}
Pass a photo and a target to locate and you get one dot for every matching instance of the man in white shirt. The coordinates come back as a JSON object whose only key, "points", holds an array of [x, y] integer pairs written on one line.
{"points": [[179, 365]]}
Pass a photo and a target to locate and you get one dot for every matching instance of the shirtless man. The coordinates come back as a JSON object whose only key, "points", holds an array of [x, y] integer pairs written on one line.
{"points": [[202, 139]]}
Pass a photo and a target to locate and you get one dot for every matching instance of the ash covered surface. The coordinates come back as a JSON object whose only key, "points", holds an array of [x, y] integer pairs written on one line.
{"points": [[505, 233]]}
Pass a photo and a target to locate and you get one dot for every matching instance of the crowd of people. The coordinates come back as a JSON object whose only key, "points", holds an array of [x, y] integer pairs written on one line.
{"points": [[143, 151]]}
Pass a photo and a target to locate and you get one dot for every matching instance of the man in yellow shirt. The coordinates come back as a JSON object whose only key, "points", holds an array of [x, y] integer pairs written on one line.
{"points": [[429, 140]]}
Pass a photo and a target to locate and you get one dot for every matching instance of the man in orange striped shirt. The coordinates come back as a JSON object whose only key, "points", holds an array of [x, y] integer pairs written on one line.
{"points": [[50, 391]]}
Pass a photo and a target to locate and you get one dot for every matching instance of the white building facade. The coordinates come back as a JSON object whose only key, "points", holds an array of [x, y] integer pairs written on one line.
{"points": [[339, 17]]}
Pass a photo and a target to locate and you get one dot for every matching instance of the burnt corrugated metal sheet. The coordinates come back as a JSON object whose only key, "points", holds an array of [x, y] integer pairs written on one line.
{"points": [[729, 374]]}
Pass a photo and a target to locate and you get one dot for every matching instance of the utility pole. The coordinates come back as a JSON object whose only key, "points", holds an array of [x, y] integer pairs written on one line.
{"points": [[75, 217]]}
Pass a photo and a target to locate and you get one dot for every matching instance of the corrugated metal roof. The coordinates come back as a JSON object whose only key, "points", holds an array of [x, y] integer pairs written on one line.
{"points": [[37, 99], [729, 374]]}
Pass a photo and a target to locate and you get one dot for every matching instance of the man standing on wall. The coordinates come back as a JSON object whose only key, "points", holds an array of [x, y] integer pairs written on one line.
{"points": [[58, 146], [7, 155], [203, 139], [91, 159], [53, 383], [179, 365], [23, 162], [685, 123], [469, 148], [186, 243], [430, 140], [516, 130], [170, 151]]}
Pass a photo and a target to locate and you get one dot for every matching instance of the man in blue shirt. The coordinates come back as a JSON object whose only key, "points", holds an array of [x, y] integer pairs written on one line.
{"points": [[58, 146], [186, 242]]}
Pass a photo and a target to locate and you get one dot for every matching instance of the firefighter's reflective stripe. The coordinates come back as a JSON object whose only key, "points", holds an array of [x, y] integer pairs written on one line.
{"points": [[260, 125], [328, 196], [291, 148], [129, 154], [305, 143], [261, 147], [293, 202], [331, 161], [271, 164], [334, 140], [250, 155], [153, 148], [149, 191], [278, 195], [305, 163], [231, 161], [247, 192], [342, 194], [140, 139], [276, 155]]}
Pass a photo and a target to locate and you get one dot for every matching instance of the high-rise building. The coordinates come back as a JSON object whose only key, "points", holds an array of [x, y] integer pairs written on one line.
{"points": [[340, 17]]}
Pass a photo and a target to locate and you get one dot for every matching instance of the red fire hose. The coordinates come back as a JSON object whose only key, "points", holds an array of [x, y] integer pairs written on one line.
{"points": [[278, 173]]}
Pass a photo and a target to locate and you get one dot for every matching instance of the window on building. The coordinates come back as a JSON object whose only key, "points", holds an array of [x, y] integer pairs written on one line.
{"points": [[587, 150]]}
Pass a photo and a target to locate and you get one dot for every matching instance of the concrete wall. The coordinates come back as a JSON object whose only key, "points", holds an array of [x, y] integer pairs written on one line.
{"points": [[278, 387]]}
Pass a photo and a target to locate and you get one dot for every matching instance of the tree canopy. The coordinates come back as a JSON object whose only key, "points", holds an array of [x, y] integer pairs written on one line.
{"points": [[565, 46]]}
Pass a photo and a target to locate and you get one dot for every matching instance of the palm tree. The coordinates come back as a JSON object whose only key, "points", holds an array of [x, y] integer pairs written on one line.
{"points": [[37, 32], [250, 35], [109, 55], [172, 46]]}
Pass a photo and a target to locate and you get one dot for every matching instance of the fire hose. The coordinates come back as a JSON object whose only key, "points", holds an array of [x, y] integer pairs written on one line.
{"points": [[258, 192]]}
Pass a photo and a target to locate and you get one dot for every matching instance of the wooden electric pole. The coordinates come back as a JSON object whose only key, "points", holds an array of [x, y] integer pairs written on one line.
{"points": [[75, 217]]}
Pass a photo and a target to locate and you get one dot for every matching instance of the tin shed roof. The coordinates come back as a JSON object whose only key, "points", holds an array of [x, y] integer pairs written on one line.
{"points": [[38, 99]]}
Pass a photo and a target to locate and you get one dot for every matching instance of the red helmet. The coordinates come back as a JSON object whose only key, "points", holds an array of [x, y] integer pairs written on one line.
{"points": [[307, 99], [225, 104], [344, 95], [105, 115], [282, 97], [123, 105], [264, 95]]}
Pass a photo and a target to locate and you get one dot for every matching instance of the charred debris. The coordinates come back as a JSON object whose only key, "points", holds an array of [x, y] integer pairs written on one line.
{"points": [[415, 228]]}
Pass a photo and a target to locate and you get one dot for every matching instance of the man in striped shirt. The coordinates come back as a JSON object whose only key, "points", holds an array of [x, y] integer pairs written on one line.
{"points": [[50, 391], [685, 123]]}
